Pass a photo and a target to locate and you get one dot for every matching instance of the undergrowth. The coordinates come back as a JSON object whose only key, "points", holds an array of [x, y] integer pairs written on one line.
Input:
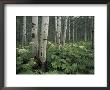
{"points": [[73, 58]]}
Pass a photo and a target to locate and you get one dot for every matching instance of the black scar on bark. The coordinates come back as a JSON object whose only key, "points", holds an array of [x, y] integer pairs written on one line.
{"points": [[44, 39], [33, 35], [41, 53], [33, 25]]}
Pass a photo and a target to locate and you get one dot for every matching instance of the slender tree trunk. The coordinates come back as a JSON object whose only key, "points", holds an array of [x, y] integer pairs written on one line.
{"points": [[69, 31], [43, 40], [24, 31], [19, 27], [92, 32], [59, 31], [35, 35], [85, 36], [56, 32], [73, 31], [65, 29], [76, 32], [91, 27]]}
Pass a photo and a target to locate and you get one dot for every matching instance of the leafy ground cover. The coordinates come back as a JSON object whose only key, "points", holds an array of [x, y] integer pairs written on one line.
{"points": [[73, 58]]}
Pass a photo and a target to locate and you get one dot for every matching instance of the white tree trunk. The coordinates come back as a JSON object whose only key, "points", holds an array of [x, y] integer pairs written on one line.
{"points": [[85, 36], [65, 29], [92, 27], [59, 31], [35, 35], [56, 32], [69, 31], [43, 38], [73, 31], [91, 31], [24, 31], [76, 33]]}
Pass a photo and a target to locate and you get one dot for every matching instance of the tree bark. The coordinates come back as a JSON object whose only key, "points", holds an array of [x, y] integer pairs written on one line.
{"points": [[69, 31], [56, 31], [76, 32], [73, 29], [65, 29], [85, 35], [24, 31], [35, 35], [43, 40], [92, 32], [59, 31]]}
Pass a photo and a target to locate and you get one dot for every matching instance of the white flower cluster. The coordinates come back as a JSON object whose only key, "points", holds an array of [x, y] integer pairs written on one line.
{"points": [[22, 51]]}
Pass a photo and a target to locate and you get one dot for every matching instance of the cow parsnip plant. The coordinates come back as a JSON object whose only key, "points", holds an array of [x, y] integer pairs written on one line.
{"points": [[73, 58]]}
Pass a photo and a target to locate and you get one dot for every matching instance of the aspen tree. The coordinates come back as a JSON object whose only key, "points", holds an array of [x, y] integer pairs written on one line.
{"points": [[56, 32], [43, 39], [76, 32], [85, 33], [69, 31], [65, 29], [73, 28], [24, 31], [91, 26], [59, 31], [35, 35]]}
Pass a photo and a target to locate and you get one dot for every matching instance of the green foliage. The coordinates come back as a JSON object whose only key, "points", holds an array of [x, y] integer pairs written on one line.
{"points": [[24, 60], [73, 58]]}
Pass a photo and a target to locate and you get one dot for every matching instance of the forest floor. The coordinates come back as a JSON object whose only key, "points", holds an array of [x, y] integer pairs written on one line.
{"points": [[73, 58]]}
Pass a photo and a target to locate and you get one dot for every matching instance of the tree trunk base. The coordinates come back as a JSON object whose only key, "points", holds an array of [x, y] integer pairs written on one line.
{"points": [[43, 67]]}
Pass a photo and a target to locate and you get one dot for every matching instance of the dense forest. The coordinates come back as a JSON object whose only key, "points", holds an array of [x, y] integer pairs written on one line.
{"points": [[54, 44]]}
